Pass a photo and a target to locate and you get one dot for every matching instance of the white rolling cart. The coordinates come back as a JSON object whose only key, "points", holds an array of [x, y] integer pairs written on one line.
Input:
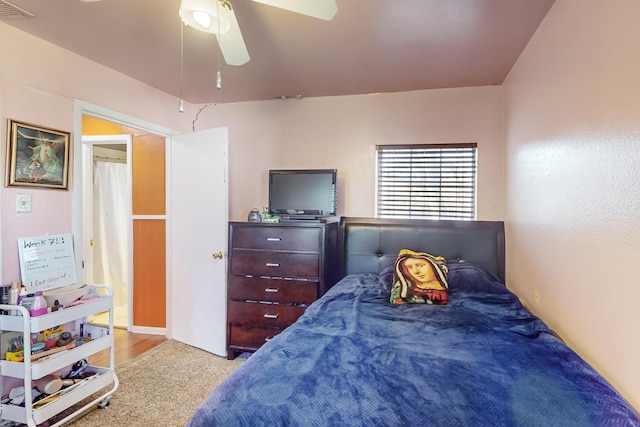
{"points": [[31, 370]]}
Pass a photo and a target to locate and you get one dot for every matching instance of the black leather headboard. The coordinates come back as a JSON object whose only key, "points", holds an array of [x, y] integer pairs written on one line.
{"points": [[368, 244]]}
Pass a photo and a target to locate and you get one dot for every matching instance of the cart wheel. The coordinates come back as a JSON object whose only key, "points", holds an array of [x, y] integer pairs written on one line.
{"points": [[104, 404]]}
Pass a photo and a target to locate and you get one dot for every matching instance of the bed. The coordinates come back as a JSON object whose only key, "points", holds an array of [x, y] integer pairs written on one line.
{"points": [[355, 359]]}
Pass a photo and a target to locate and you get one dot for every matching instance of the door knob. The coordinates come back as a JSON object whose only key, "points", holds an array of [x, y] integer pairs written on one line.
{"points": [[217, 255]]}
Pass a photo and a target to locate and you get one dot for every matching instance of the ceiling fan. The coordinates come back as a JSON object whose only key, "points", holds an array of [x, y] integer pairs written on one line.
{"points": [[217, 17]]}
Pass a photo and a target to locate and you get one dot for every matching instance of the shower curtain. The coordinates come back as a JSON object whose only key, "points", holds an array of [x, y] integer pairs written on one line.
{"points": [[110, 228]]}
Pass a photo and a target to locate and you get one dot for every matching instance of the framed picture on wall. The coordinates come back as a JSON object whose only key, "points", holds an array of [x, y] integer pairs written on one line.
{"points": [[36, 156]]}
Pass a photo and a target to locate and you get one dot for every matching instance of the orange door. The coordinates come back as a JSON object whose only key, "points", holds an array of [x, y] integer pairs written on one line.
{"points": [[149, 225]]}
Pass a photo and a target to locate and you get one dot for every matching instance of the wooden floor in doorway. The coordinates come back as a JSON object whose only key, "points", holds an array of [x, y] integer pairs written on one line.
{"points": [[128, 346]]}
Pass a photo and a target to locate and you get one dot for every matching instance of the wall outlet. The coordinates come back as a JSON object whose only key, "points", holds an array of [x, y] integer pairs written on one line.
{"points": [[536, 296]]}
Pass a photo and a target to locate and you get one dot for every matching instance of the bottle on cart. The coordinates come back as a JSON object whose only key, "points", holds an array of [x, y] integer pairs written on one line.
{"points": [[14, 293], [38, 305], [22, 294]]}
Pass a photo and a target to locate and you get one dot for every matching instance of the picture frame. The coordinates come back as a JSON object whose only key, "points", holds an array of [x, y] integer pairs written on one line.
{"points": [[37, 156]]}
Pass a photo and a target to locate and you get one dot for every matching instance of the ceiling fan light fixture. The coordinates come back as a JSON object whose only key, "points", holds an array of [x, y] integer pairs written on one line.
{"points": [[203, 15], [202, 18]]}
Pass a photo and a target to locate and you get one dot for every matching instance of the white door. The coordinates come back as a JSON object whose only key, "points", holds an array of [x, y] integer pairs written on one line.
{"points": [[197, 261]]}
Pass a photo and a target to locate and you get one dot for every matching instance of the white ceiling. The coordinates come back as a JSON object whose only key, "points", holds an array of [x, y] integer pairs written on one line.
{"points": [[370, 46]]}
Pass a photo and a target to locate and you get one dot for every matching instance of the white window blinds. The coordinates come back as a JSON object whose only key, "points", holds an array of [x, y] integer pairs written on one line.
{"points": [[427, 181]]}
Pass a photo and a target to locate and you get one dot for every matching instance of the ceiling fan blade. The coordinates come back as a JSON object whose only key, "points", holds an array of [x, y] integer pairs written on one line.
{"points": [[321, 9], [232, 44]]}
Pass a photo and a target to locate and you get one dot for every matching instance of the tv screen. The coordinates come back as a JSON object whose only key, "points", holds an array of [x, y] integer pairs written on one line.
{"points": [[308, 193]]}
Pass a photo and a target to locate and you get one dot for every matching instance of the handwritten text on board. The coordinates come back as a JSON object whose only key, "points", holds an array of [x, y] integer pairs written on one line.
{"points": [[47, 262]]}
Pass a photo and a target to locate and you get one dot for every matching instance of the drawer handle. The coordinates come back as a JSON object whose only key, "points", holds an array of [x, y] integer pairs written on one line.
{"points": [[273, 239], [270, 316], [272, 264], [272, 290]]}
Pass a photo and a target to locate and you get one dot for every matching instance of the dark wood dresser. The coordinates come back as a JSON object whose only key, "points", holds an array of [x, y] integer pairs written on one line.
{"points": [[275, 271]]}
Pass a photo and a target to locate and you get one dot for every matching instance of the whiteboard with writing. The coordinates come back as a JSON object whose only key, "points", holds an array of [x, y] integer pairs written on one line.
{"points": [[46, 262]]}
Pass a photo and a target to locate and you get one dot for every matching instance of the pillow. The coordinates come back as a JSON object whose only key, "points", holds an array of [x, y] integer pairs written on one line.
{"points": [[468, 277], [385, 277], [419, 277]]}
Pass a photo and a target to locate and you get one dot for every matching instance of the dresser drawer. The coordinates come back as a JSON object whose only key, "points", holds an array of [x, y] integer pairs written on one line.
{"points": [[263, 315], [273, 290], [274, 272], [250, 338], [275, 264], [277, 238]]}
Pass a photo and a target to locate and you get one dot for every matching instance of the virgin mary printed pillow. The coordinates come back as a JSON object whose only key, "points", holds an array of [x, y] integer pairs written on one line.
{"points": [[419, 278]]}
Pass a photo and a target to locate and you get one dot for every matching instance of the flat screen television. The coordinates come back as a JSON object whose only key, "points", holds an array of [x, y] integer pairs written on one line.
{"points": [[302, 193]]}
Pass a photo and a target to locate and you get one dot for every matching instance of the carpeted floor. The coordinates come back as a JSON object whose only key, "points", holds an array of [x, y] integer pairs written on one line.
{"points": [[161, 387]]}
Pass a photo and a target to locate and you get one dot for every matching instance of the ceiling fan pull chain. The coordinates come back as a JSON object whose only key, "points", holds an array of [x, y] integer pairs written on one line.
{"points": [[219, 74]]}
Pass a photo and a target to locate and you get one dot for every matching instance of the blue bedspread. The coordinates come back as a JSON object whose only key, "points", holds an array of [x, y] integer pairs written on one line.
{"points": [[354, 359]]}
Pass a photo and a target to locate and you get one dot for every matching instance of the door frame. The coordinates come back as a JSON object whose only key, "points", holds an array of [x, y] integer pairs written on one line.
{"points": [[82, 108], [88, 143]]}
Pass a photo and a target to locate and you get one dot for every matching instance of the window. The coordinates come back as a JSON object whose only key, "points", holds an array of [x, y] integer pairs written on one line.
{"points": [[427, 181]]}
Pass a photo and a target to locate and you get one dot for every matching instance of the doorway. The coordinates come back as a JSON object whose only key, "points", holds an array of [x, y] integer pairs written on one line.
{"points": [[107, 221], [155, 308], [145, 250]]}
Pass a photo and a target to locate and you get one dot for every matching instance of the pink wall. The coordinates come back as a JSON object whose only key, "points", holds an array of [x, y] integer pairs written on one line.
{"points": [[50, 209], [38, 84], [338, 132], [573, 182], [342, 133]]}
